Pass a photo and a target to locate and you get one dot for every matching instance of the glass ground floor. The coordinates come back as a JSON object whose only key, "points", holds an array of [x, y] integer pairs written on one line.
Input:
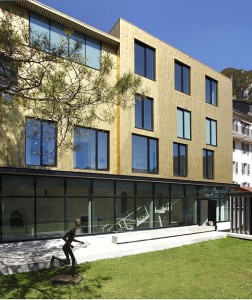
{"points": [[40, 204]]}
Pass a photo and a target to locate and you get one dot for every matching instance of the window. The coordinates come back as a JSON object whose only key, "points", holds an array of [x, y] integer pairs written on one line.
{"points": [[184, 123], [211, 91], [245, 148], [235, 167], [144, 154], [233, 145], [208, 163], [52, 37], [144, 60], [40, 143], [179, 159], [182, 78], [211, 132], [144, 113], [91, 149]]}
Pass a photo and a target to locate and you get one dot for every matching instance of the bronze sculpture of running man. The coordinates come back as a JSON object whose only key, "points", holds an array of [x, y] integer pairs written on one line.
{"points": [[69, 237]]}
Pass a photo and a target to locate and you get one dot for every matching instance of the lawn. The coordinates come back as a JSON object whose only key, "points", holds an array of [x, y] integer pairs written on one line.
{"points": [[214, 269]]}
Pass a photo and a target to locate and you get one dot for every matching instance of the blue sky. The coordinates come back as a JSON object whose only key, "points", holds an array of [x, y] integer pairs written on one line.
{"points": [[215, 32]]}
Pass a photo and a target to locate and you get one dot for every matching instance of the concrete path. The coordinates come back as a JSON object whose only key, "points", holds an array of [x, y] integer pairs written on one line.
{"points": [[34, 255]]}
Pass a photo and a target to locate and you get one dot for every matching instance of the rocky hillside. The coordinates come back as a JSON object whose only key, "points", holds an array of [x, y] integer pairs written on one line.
{"points": [[242, 83]]}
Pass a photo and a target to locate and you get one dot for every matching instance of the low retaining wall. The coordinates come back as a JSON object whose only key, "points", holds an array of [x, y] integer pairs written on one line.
{"points": [[135, 236]]}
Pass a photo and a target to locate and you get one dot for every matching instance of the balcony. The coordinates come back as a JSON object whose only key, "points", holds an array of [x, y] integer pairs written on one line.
{"points": [[242, 133]]}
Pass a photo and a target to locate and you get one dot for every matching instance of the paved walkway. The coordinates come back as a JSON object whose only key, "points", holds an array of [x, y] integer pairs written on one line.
{"points": [[34, 255]]}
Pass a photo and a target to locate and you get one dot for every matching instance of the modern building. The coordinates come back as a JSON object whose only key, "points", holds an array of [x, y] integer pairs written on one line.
{"points": [[165, 162], [242, 143]]}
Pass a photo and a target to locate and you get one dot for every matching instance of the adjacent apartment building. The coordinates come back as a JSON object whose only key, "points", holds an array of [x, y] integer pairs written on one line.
{"points": [[164, 162], [242, 143]]}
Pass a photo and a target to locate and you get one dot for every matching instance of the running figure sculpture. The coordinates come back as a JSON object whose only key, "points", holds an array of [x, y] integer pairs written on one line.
{"points": [[69, 237]]}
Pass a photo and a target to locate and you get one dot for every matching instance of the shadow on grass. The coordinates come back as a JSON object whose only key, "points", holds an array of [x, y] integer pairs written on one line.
{"points": [[38, 285]]}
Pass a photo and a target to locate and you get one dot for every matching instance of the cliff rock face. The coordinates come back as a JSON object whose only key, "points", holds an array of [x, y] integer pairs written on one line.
{"points": [[242, 83]]}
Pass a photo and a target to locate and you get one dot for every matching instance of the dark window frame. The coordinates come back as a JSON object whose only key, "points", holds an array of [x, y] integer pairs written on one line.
{"points": [[144, 46], [182, 86], [183, 125], [210, 133], [142, 100], [96, 149], [42, 122], [206, 169], [211, 80], [148, 154], [179, 160]]}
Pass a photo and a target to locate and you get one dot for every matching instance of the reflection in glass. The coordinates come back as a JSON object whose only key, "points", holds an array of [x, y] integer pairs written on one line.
{"points": [[103, 215], [139, 60], [144, 154], [178, 76], [211, 91], [143, 113], [40, 142], [125, 213], [150, 63], [183, 123], [208, 164], [90, 149], [179, 159], [58, 39], [18, 219], [182, 78], [144, 61], [50, 217], [39, 32], [93, 50], [139, 154]]}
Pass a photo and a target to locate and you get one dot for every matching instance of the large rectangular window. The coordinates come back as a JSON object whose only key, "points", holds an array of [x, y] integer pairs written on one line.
{"points": [[91, 149], [51, 36], [40, 142], [211, 132], [211, 91], [179, 159], [144, 60], [208, 164], [183, 123], [144, 154], [182, 78], [144, 113]]}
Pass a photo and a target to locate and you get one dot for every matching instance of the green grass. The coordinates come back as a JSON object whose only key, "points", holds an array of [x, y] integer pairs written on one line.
{"points": [[214, 269]]}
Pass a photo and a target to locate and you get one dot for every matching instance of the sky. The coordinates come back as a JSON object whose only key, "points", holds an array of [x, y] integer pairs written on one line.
{"points": [[217, 33]]}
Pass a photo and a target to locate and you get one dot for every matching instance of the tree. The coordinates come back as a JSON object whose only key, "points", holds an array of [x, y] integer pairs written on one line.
{"points": [[55, 84]]}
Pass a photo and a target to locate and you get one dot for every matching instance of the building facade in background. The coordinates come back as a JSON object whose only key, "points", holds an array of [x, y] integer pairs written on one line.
{"points": [[242, 143], [165, 162]]}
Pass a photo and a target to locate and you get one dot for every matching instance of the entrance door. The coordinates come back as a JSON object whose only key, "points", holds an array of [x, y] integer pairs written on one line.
{"points": [[212, 210]]}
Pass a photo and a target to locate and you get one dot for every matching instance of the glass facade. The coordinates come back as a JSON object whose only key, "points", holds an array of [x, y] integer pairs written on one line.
{"points": [[37, 207]]}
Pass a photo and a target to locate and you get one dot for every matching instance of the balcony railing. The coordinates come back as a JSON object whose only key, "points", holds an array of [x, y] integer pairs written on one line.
{"points": [[243, 131]]}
